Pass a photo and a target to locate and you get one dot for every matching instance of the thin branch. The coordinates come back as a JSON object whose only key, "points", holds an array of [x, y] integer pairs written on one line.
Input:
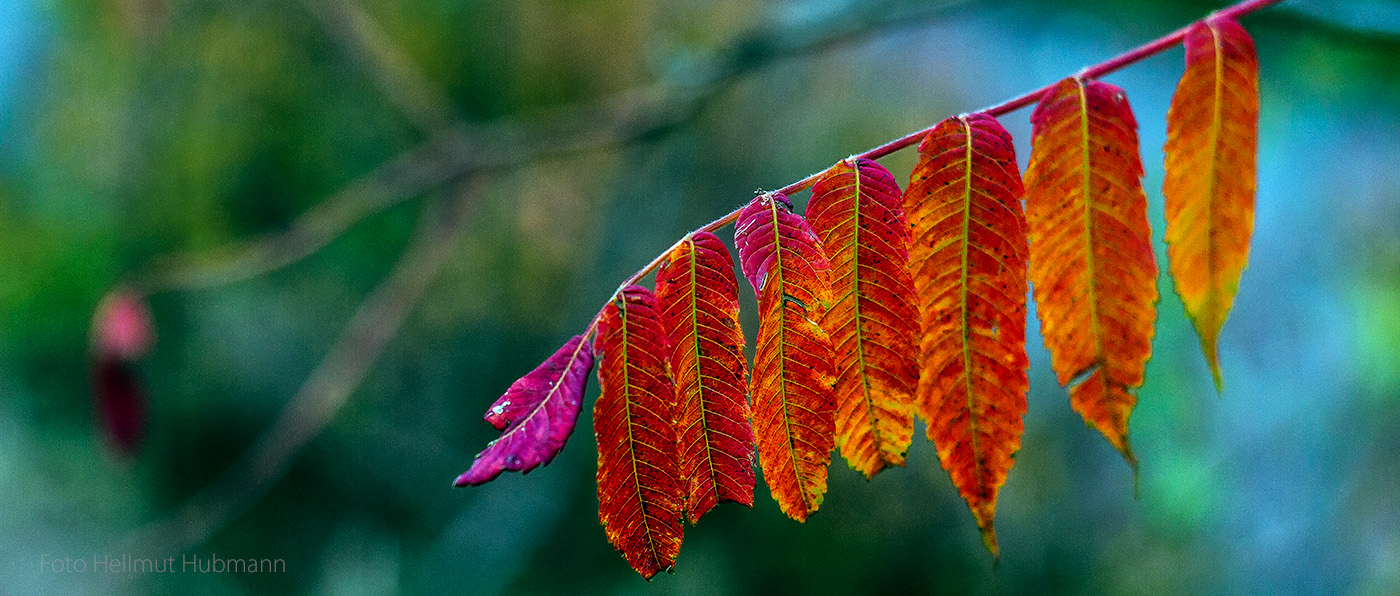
{"points": [[1132, 56], [342, 369], [396, 76], [408, 176], [462, 150]]}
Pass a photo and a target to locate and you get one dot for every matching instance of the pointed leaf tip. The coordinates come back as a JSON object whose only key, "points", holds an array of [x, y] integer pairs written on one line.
{"points": [[537, 414], [989, 540]]}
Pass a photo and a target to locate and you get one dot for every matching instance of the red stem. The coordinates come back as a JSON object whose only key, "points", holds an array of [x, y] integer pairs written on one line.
{"points": [[1132, 56]]}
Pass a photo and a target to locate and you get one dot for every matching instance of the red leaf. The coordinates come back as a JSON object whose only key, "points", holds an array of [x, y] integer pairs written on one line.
{"points": [[856, 210], [1212, 134], [969, 263], [537, 415], [639, 488], [1091, 257], [699, 302], [793, 364]]}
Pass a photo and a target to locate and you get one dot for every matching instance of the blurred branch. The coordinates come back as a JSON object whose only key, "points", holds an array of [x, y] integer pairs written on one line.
{"points": [[405, 177], [1342, 28], [629, 116], [332, 382], [395, 75]]}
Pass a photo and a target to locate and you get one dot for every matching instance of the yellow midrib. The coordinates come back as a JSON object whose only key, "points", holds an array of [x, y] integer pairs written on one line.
{"points": [[1213, 179], [631, 442], [699, 378], [966, 336], [860, 326], [782, 353], [1089, 222]]}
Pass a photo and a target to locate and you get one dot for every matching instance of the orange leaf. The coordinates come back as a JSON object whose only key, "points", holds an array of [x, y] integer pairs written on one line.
{"points": [[639, 490], [1212, 131], [856, 212], [969, 263], [792, 370], [1091, 259], [699, 302]]}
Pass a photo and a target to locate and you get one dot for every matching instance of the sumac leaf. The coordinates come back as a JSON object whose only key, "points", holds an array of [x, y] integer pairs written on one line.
{"points": [[699, 301], [857, 213], [1212, 133], [639, 487], [1091, 261], [536, 415], [793, 371], [969, 262]]}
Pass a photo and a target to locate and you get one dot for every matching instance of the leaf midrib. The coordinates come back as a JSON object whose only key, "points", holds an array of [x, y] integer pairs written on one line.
{"points": [[699, 378], [966, 339], [631, 441], [782, 354], [1087, 189]]}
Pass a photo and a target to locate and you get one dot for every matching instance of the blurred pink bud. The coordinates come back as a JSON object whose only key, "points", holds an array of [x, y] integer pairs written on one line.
{"points": [[122, 333], [122, 326]]}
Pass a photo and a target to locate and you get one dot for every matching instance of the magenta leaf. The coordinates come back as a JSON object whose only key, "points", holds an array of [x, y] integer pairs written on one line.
{"points": [[537, 415]]}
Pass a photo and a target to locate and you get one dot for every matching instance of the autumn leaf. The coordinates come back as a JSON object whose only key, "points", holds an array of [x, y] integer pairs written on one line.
{"points": [[857, 213], [1212, 131], [1091, 259], [699, 301], [969, 262], [793, 372], [536, 415], [639, 488]]}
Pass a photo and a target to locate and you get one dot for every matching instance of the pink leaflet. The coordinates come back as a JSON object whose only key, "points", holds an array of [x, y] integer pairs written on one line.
{"points": [[537, 415]]}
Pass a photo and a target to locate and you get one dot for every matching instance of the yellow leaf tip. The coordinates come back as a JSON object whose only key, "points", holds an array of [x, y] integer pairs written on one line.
{"points": [[989, 540]]}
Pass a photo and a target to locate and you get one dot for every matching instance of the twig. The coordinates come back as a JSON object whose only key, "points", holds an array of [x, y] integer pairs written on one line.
{"points": [[1132, 56], [337, 375], [396, 76], [408, 176]]}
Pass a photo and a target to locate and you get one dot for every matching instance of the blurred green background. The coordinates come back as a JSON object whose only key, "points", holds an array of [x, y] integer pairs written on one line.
{"points": [[130, 129]]}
